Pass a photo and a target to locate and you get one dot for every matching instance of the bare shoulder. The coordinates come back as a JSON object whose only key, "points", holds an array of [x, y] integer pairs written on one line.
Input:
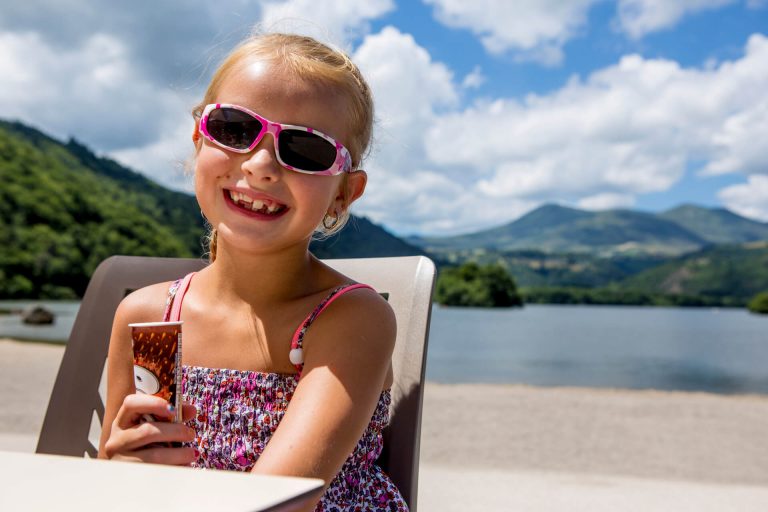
{"points": [[362, 309], [358, 319], [143, 305], [364, 303]]}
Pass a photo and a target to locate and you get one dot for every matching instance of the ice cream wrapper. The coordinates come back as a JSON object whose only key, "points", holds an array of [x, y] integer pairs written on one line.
{"points": [[157, 361]]}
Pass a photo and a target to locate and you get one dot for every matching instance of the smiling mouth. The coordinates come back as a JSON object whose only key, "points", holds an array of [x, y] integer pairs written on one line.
{"points": [[258, 206]]}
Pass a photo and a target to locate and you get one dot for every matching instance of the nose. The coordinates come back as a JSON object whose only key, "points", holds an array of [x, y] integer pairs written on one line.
{"points": [[261, 163]]}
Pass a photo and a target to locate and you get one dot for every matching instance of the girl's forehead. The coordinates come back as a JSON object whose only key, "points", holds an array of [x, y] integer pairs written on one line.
{"points": [[279, 94], [255, 68], [263, 77]]}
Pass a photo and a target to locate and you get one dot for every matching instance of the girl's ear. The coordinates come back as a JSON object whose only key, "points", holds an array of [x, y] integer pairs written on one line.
{"points": [[350, 189]]}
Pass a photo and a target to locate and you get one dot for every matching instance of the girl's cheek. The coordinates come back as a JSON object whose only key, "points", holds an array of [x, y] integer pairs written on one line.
{"points": [[208, 168], [212, 163]]}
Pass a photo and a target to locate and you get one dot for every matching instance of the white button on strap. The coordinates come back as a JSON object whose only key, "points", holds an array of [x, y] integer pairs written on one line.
{"points": [[296, 356]]}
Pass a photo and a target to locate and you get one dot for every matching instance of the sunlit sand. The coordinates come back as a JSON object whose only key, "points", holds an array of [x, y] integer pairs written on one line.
{"points": [[513, 447]]}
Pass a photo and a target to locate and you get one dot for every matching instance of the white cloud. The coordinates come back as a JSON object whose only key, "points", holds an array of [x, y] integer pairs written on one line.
{"points": [[409, 90], [166, 42], [121, 78], [749, 199], [328, 20], [438, 165], [537, 30], [92, 91], [598, 142], [735, 144], [606, 201], [406, 191], [474, 79], [95, 93], [625, 130], [637, 18], [533, 29]]}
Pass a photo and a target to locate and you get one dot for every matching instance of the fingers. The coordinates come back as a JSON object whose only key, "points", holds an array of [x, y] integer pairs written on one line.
{"points": [[188, 411], [149, 440], [151, 432], [139, 437], [137, 405], [132, 437], [160, 455]]}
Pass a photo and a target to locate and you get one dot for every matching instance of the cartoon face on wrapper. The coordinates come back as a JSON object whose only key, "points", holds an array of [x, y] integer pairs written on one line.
{"points": [[146, 381]]}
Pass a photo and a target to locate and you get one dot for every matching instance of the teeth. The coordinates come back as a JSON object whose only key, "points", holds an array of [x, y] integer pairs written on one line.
{"points": [[254, 204]]}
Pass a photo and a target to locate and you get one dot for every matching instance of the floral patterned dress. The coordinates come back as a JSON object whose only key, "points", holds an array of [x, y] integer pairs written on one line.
{"points": [[238, 411]]}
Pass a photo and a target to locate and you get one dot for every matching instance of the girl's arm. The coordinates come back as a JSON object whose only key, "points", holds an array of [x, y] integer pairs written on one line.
{"points": [[122, 435], [347, 353]]}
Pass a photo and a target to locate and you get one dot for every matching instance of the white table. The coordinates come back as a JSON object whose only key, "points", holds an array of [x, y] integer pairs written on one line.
{"points": [[49, 482]]}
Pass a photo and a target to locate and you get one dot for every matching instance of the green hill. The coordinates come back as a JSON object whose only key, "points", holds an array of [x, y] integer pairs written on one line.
{"points": [[60, 215], [361, 238], [737, 271], [688, 255], [717, 225], [64, 209], [557, 229]]}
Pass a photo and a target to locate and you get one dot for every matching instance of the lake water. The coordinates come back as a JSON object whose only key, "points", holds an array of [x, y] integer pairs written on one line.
{"points": [[716, 350], [64, 311]]}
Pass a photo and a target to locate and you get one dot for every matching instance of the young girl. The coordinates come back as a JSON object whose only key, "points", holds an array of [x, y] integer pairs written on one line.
{"points": [[286, 362]]}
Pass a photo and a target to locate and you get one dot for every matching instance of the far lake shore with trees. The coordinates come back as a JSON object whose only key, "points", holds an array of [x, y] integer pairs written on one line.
{"points": [[64, 209]]}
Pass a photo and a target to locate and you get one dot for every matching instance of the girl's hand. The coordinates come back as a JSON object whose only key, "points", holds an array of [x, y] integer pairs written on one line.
{"points": [[132, 439]]}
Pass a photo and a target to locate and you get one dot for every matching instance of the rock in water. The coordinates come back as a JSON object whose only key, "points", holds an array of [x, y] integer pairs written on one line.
{"points": [[37, 315]]}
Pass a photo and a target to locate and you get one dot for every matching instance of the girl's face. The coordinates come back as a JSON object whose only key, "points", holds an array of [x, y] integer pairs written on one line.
{"points": [[254, 202]]}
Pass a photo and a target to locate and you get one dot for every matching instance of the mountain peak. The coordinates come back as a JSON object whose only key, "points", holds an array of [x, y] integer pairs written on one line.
{"points": [[556, 228], [717, 225]]}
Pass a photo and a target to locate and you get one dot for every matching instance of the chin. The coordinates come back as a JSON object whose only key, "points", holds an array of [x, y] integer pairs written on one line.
{"points": [[258, 244]]}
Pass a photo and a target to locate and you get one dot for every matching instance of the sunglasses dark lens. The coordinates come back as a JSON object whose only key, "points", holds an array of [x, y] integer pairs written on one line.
{"points": [[233, 128], [306, 151]]}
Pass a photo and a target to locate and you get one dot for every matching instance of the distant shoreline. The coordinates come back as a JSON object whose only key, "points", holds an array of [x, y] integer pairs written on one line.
{"points": [[530, 296]]}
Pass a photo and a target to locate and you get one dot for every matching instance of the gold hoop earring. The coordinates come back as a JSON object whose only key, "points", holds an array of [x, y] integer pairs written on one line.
{"points": [[330, 222]]}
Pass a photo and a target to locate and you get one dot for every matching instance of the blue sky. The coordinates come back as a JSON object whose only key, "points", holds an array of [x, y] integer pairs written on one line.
{"points": [[486, 109]]}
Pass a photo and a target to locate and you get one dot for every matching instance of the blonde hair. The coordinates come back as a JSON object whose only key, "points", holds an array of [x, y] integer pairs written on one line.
{"points": [[314, 62]]}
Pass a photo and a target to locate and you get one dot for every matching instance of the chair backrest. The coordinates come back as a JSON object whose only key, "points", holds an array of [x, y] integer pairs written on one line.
{"points": [[75, 412]]}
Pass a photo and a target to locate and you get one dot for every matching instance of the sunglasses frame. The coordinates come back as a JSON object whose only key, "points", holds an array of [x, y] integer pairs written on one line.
{"points": [[342, 164]]}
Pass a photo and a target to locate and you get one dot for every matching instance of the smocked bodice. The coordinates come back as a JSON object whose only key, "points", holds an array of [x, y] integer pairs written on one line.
{"points": [[237, 413]]}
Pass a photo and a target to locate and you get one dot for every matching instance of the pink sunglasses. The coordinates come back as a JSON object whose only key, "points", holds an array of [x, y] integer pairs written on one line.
{"points": [[297, 148]]}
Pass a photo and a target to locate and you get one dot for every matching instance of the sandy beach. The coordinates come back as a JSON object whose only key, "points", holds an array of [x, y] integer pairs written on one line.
{"points": [[512, 447]]}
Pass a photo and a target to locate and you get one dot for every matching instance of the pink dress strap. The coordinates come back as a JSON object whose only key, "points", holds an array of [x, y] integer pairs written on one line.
{"points": [[176, 293], [297, 351]]}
